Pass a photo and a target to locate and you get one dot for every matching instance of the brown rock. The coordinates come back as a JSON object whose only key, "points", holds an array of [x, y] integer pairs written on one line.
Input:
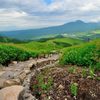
{"points": [[61, 87], [10, 93]]}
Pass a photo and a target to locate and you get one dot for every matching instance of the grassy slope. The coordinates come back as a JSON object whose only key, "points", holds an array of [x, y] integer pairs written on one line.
{"points": [[46, 47], [8, 40], [23, 51], [84, 54]]}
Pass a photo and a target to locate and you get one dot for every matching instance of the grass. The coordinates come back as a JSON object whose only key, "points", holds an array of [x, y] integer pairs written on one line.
{"points": [[48, 46], [22, 51], [83, 55]]}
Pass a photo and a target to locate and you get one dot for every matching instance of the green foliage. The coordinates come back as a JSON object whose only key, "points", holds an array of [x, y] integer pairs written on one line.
{"points": [[98, 78], [9, 53], [8, 40], [91, 72], [84, 73], [97, 66], [74, 89], [44, 84], [72, 70], [85, 54]]}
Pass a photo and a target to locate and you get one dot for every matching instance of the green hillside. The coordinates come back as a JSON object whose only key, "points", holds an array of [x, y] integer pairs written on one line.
{"points": [[8, 40], [22, 51], [85, 54], [48, 46]]}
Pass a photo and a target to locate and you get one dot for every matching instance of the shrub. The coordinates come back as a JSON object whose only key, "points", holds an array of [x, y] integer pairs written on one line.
{"points": [[9, 53], [85, 54], [97, 66]]}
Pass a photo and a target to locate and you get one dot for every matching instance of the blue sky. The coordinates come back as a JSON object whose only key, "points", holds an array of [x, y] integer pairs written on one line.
{"points": [[30, 14], [48, 1]]}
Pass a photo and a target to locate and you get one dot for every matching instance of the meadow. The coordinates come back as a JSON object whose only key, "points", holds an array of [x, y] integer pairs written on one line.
{"points": [[23, 51]]}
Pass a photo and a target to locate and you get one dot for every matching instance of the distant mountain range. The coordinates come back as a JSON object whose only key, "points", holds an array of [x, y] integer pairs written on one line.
{"points": [[71, 27]]}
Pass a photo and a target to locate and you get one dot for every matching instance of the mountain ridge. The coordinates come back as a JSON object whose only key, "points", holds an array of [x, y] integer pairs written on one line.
{"points": [[71, 27]]}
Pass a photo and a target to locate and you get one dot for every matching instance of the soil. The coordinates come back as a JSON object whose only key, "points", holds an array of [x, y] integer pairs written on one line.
{"points": [[88, 87]]}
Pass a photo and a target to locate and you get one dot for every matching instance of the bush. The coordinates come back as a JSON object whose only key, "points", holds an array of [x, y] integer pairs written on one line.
{"points": [[9, 53], [85, 55]]}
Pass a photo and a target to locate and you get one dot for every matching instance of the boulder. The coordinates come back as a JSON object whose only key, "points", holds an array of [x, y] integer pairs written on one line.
{"points": [[10, 93]]}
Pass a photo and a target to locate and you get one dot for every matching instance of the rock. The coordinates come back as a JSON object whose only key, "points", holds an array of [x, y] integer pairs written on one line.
{"points": [[26, 95], [32, 64], [2, 82], [11, 82], [61, 87], [22, 76], [27, 71], [30, 58], [55, 84], [46, 56], [8, 74], [2, 72], [14, 62], [10, 93]]}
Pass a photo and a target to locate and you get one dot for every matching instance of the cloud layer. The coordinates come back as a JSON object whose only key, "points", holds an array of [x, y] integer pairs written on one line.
{"points": [[24, 14]]}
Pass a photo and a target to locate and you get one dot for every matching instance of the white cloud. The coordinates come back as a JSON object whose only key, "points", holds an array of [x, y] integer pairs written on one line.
{"points": [[21, 14], [11, 13]]}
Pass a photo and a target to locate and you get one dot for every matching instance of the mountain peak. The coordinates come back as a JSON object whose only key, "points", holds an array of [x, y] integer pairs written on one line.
{"points": [[79, 21], [75, 22]]}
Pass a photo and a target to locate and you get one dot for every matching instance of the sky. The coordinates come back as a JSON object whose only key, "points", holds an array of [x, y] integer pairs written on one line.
{"points": [[31, 14]]}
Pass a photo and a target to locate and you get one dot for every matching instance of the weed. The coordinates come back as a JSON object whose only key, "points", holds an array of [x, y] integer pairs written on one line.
{"points": [[91, 72], [43, 84], [74, 89], [72, 70], [84, 73]]}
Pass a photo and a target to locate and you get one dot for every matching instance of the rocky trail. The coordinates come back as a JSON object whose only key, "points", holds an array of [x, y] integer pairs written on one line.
{"points": [[17, 77], [45, 79]]}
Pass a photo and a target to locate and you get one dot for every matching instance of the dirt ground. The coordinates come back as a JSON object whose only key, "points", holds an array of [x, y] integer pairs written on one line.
{"points": [[88, 87]]}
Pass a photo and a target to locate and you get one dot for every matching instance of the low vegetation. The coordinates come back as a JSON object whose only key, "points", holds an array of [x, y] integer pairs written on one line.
{"points": [[83, 55], [74, 89], [22, 51], [9, 53]]}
